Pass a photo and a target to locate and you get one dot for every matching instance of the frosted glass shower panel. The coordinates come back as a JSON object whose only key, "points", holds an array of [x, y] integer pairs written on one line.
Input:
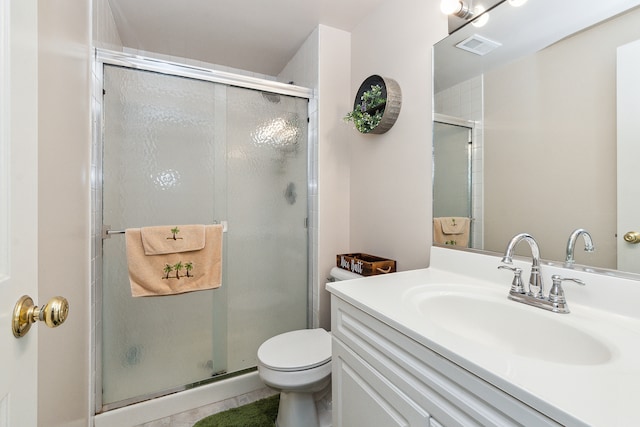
{"points": [[267, 208], [185, 151], [160, 167]]}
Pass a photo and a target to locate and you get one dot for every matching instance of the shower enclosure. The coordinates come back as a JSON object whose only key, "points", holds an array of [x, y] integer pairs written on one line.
{"points": [[189, 146], [453, 171]]}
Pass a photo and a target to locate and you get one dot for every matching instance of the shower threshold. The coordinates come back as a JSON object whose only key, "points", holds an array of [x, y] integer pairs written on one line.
{"points": [[143, 398]]}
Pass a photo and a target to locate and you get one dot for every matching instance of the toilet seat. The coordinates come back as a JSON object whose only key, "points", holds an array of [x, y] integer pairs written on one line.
{"points": [[296, 350]]}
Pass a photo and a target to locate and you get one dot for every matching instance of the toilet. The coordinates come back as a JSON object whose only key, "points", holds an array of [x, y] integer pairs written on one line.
{"points": [[298, 364]]}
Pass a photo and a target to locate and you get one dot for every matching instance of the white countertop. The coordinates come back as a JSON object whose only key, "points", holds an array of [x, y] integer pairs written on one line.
{"points": [[597, 394]]}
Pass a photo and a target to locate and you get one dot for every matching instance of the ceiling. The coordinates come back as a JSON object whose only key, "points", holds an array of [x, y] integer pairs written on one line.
{"points": [[519, 31], [254, 35]]}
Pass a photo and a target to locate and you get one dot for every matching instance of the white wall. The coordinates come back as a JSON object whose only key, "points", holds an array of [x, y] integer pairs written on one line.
{"points": [[105, 32], [390, 186], [64, 129], [333, 157]]}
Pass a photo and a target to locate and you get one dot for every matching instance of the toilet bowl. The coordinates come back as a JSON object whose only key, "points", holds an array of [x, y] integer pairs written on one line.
{"points": [[298, 364]]}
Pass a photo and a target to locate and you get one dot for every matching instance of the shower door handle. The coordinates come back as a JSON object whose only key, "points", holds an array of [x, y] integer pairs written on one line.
{"points": [[25, 313]]}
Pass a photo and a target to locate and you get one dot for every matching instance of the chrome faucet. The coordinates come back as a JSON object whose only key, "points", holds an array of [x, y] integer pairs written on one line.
{"points": [[571, 244], [535, 280], [556, 301]]}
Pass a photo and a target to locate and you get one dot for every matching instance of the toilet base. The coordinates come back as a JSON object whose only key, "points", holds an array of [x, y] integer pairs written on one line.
{"points": [[314, 409], [297, 409], [324, 406]]}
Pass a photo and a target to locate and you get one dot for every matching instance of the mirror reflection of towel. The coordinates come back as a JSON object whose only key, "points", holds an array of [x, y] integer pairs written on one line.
{"points": [[453, 231], [183, 270]]}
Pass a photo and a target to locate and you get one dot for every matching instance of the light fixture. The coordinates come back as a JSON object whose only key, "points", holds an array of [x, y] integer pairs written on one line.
{"points": [[482, 18], [457, 8], [516, 3], [462, 10]]}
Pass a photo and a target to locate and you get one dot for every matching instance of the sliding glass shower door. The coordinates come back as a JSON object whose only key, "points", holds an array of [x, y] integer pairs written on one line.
{"points": [[185, 151]]}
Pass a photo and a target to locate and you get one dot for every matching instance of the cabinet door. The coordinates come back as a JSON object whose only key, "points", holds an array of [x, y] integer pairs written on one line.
{"points": [[363, 397]]}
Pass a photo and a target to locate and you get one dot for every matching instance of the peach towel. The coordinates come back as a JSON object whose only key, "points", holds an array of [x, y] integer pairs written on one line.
{"points": [[161, 240], [174, 273], [452, 231]]}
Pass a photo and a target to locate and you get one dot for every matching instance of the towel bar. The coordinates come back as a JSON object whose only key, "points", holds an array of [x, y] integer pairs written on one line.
{"points": [[107, 231]]}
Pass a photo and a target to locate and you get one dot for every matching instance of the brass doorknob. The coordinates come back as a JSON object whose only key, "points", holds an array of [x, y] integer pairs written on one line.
{"points": [[25, 313], [632, 237]]}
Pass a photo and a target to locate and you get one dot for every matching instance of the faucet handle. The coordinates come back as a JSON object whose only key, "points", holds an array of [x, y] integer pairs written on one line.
{"points": [[516, 285], [556, 293]]}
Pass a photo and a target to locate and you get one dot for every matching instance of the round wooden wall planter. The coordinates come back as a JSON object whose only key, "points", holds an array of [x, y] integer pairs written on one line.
{"points": [[391, 91]]}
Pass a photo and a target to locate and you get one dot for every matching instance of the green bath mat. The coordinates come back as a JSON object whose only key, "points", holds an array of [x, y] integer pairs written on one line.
{"points": [[261, 413]]}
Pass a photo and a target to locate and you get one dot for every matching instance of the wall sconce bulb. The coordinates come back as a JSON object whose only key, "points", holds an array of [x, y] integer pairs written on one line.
{"points": [[456, 7], [449, 7], [482, 18]]}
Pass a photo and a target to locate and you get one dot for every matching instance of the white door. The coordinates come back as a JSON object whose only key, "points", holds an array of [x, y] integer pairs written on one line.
{"points": [[18, 207], [628, 112]]}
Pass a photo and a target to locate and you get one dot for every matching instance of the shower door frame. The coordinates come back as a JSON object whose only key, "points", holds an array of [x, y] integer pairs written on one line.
{"points": [[107, 57]]}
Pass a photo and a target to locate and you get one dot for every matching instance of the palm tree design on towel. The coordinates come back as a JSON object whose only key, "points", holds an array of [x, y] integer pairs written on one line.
{"points": [[178, 267], [174, 231], [167, 269], [188, 266]]}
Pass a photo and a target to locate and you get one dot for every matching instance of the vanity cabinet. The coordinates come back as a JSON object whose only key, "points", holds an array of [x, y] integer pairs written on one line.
{"points": [[382, 377]]}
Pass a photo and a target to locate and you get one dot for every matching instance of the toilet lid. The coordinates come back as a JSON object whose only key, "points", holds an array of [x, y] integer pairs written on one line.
{"points": [[296, 350]]}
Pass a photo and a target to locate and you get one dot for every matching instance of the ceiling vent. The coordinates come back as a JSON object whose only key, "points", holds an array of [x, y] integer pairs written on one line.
{"points": [[478, 45]]}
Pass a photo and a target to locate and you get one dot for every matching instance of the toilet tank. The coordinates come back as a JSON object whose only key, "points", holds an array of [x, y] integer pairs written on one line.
{"points": [[337, 274]]}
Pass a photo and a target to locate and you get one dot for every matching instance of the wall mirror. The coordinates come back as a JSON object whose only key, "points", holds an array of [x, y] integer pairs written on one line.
{"points": [[541, 107]]}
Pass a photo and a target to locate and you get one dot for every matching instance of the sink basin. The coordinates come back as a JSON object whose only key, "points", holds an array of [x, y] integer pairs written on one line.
{"points": [[502, 325]]}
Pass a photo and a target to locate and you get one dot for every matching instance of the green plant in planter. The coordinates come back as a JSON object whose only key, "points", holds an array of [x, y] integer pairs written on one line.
{"points": [[367, 114]]}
